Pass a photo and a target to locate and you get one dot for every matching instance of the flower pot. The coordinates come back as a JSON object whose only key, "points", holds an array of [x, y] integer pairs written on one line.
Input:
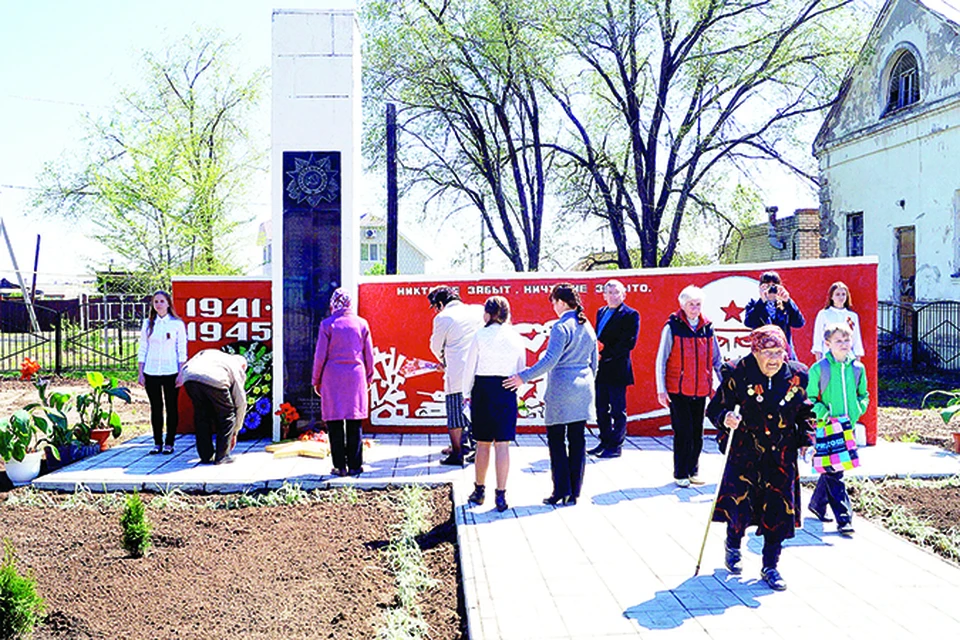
{"points": [[70, 453], [100, 436], [24, 472], [956, 441]]}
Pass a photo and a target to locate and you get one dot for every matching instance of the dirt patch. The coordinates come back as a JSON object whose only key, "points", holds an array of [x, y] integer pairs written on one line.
{"points": [[938, 507], [135, 416], [900, 417], [913, 425], [306, 571]]}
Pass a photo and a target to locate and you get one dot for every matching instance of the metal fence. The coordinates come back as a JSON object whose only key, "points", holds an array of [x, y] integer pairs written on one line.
{"points": [[925, 334], [72, 335]]}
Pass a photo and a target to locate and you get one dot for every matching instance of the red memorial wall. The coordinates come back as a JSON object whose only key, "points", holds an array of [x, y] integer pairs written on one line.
{"points": [[407, 394], [220, 311]]}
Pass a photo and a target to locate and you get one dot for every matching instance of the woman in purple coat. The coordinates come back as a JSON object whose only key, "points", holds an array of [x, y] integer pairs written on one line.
{"points": [[342, 373]]}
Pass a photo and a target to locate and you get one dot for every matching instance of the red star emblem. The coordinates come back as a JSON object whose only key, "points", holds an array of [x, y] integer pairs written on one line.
{"points": [[732, 311]]}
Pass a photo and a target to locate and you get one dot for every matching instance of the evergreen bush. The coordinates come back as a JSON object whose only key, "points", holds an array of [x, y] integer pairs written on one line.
{"points": [[21, 608], [136, 528]]}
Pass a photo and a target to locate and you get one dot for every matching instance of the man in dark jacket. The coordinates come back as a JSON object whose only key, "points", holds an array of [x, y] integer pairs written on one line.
{"points": [[214, 380], [617, 329], [775, 307]]}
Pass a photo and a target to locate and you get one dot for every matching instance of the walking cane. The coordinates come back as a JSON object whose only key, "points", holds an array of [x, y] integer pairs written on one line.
{"points": [[716, 494]]}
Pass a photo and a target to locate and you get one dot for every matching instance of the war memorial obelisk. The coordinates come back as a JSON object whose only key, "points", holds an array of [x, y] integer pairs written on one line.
{"points": [[315, 164]]}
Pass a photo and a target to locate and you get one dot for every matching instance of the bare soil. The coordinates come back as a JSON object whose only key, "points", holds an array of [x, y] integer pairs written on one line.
{"points": [[135, 416], [307, 571], [940, 507]]}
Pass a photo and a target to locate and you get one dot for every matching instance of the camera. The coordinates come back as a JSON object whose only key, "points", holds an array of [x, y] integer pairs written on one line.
{"points": [[773, 288]]}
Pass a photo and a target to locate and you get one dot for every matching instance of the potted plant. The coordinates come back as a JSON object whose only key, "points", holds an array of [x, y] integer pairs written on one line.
{"points": [[98, 420], [21, 437], [55, 405], [947, 411]]}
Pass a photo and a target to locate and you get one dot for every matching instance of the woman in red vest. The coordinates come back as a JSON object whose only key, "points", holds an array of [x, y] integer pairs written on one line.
{"points": [[687, 357]]}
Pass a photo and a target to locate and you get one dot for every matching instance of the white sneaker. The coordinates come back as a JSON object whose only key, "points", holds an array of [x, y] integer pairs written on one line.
{"points": [[683, 482], [695, 480]]}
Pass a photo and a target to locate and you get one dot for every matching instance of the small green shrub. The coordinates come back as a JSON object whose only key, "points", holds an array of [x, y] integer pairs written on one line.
{"points": [[21, 608], [136, 528]]}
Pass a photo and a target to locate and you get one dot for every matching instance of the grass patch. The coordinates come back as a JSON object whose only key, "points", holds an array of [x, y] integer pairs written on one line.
{"points": [[403, 554]]}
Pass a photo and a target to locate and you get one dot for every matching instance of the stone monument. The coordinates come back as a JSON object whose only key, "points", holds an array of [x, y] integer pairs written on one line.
{"points": [[315, 163]]}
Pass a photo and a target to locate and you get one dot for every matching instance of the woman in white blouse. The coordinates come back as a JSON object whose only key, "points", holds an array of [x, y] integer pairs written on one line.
{"points": [[839, 308], [162, 352], [496, 353]]}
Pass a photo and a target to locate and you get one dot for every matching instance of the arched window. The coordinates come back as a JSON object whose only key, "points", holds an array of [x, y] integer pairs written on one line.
{"points": [[904, 83]]}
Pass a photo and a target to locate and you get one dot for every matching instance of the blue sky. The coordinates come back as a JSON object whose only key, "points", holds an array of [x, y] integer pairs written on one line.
{"points": [[62, 58]]}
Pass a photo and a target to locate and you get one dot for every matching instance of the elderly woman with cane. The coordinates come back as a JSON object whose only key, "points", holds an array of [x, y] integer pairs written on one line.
{"points": [[761, 481]]}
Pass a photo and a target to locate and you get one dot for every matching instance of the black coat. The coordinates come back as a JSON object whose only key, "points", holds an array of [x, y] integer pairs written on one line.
{"points": [[787, 317], [618, 338], [761, 484]]}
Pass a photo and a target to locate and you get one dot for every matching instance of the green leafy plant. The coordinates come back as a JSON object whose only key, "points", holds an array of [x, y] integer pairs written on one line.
{"points": [[950, 409], [54, 406], [96, 406], [22, 433], [20, 606], [136, 528]]}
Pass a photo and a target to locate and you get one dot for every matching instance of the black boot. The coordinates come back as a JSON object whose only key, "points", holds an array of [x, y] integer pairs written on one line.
{"points": [[773, 578], [733, 559], [500, 497], [478, 494]]}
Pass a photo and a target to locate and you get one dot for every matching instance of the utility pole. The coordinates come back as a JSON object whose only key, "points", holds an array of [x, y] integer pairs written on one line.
{"points": [[392, 195]]}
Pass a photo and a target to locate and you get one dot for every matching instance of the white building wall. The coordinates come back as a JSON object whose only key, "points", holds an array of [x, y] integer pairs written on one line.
{"points": [[871, 163], [918, 164]]}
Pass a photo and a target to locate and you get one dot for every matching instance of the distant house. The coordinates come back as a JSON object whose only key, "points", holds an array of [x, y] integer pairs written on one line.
{"points": [[889, 154], [795, 237], [411, 259]]}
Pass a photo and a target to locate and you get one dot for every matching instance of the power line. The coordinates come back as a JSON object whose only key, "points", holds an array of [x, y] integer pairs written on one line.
{"points": [[52, 101]]}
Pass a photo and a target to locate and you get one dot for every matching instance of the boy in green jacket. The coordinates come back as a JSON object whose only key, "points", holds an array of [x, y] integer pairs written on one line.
{"points": [[838, 386]]}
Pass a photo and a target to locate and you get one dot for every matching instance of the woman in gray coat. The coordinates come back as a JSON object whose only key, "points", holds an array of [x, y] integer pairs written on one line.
{"points": [[570, 363]]}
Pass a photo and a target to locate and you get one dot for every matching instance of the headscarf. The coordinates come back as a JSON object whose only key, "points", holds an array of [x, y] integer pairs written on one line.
{"points": [[340, 300], [769, 336]]}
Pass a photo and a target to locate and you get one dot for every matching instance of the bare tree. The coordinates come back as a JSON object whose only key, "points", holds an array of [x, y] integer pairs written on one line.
{"points": [[464, 78], [677, 91]]}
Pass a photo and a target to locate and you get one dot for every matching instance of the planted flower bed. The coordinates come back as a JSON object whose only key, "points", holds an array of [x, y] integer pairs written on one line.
{"points": [[304, 566]]}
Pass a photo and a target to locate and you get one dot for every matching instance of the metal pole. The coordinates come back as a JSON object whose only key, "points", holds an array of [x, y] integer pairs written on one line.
{"points": [[36, 262], [392, 194], [23, 287], [716, 493]]}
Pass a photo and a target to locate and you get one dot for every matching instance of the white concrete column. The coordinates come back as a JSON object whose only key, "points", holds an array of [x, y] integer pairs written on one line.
{"points": [[315, 108]]}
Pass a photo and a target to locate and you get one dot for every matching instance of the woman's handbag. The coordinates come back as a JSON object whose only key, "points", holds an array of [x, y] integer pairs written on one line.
{"points": [[836, 447]]}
